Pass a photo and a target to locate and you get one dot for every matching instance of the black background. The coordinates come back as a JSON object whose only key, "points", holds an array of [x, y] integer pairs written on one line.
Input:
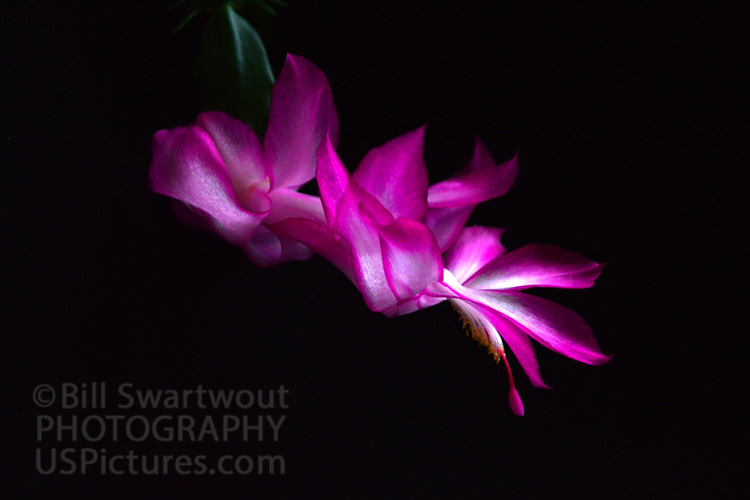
{"points": [[629, 142]]}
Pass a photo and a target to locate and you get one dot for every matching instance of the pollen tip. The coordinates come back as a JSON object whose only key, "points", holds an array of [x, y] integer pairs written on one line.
{"points": [[516, 405]]}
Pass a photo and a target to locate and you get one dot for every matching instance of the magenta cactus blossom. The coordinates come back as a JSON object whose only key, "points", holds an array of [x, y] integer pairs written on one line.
{"points": [[483, 282], [385, 229], [227, 182], [373, 229], [400, 241]]}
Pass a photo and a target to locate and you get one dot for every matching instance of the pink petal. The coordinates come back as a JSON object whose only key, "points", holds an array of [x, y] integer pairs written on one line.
{"points": [[333, 179], [287, 203], [447, 223], [417, 303], [519, 343], [411, 257], [480, 159], [334, 182], [254, 198], [370, 208], [355, 215], [301, 113], [404, 307], [550, 324], [480, 181], [391, 259], [367, 259], [292, 249], [395, 174], [320, 239], [238, 146], [475, 247], [451, 202], [268, 249], [264, 249], [536, 265], [187, 166]]}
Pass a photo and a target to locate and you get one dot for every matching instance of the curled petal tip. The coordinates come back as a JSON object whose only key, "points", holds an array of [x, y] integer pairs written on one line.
{"points": [[293, 58], [600, 360]]}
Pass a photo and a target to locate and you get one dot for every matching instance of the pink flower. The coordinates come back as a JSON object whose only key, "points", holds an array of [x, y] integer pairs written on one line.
{"points": [[401, 242], [383, 227], [372, 230], [483, 282], [227, 182], [386, 230]]}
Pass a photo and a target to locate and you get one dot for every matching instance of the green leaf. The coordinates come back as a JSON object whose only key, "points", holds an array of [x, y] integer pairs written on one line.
{"points": [[233, 69]]}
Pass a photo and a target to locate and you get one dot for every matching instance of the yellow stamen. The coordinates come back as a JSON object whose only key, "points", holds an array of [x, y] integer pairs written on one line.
{"points": [[476, 330]]}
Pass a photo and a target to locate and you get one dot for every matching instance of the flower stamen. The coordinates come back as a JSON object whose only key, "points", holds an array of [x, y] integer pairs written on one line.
{"points": [[516, 405], [478, 332], [475, 329]]}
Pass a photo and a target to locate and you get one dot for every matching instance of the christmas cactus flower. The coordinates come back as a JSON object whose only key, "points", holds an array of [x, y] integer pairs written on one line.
{"points": [[226, 181], [401, 242], [372, 229], [384, 227], [484, 283], [375, 232]]}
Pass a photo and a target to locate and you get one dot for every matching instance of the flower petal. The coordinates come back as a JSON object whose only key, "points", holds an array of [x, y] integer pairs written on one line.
{"points": [[411, 257], [550, 324], [481, 159], [333, 179], [187, 166], [334, 182], [396, 175], [475, 247], [254, 199], [361, 233], [301, 113], [264, 249], [287, 203], [451, 202], [480, 181], [537, 265], [417, 303], [267, 249], [355, 215], [391, 259], [447, 223], [318, 237], [519, 343], [238, 146]]}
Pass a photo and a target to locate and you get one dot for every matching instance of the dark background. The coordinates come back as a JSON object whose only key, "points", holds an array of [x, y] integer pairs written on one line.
{"points": [[629, 137]]}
